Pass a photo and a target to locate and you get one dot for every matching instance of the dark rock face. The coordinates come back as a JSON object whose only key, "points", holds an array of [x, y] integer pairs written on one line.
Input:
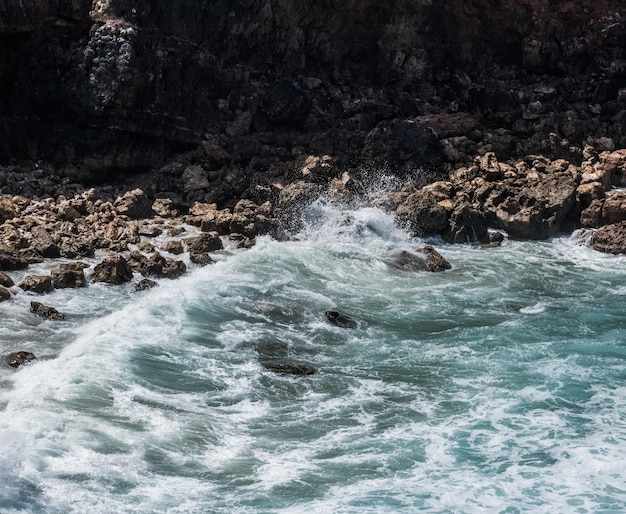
{"points": [[340, 320], [36, 284], [6, 280], [5, 294], [290, 369], [610, 238], [97, 84], [425, 259], [69, 275]]}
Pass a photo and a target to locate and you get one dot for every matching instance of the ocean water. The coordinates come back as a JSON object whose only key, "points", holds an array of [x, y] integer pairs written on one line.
{"points": [[498, 386]]}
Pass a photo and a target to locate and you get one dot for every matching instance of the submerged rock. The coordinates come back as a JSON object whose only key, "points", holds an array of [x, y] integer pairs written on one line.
{"points": [[340, 320], [16, 359], [290, 369], [43, 311]]}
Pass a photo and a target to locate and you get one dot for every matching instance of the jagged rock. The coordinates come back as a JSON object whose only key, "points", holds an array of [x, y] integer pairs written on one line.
{"points": [[407, 147], [340, 320], [610, 238], [164, 207], [6, 280], [44, 243], [251, 219], [290, 369], [200, 258], [316, 168], [174, 247], [614, 208], [16, 359], [466, 225], [149, 230], [8, 210], [9, 262], [286, 104], [144, 284], [45, 312], [5, 294], [423, 214], [156, 266], [36, 284], [204, 243], [429, 260], [135, 204], [114, 270], [69, 275]]}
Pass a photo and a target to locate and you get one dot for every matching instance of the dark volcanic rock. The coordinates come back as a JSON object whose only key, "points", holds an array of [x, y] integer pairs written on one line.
{"points": [[16, 359], [45, 312], [9, 262]]}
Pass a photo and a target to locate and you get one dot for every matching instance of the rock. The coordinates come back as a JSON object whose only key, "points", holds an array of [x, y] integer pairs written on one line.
{"points": [[591, 217], [164, 207], [316, 168], [290, 369], [135, 204], [8, 210], [69, 275], [200, 258], [149, 230], [144, 284], [493, 240], [610, 238], [466, 225], [340, 320], [5, 294], [45, 312], [9, 262], [16, 359], [174, 247], [114, 270], [251, 220], [286, 104], [204, 243], [6, 280], [156, 266], [407, 147], [44, 242], [36, 284], [614, 208], [422, 214], [430, 260]]}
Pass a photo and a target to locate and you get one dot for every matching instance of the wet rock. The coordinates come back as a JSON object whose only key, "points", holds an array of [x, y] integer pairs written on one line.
{"points": [[286, 104], [610, 238], [493, 240], [290, 369], [251, 220], [36, 284], [69, 275], [43, 311], [165, 208], [614, 208], [340, 320], [423, 214], [5, 294], [174, 247], [44, 242], [17, 359], [6, 280], [156, 265], [204, 243], [135, 204], [426, 259], [200, 258], [144, 284], [466, 225], [114, 270], [9, 262]]}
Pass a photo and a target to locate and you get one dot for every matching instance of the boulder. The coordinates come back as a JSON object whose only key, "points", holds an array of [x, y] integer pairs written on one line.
{"points": [[6, 280], [36, 284], [340, 320], [422, 214], [144, 284], [16, 359], [466, 225], [5, 294], [69, 275], [426, 259], [135, 204], [614, 208], [9, 261], [156, 266], [174, 247], [209, 242], [114, 270], [43, 311], [610, 238], [44, 242], [290, 369], [164, 207], [200, 258], [251, 220]]}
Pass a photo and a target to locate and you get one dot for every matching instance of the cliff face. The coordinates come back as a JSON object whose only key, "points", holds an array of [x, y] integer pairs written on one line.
{"points": [[114, 85]]}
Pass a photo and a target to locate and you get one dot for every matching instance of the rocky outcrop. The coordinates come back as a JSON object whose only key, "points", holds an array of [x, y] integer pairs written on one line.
{"points": [[114, 270], [43, 311], [610, 238]]}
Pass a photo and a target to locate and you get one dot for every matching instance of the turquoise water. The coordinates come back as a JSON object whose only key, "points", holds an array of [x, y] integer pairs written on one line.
{"points": [[496, 386]]}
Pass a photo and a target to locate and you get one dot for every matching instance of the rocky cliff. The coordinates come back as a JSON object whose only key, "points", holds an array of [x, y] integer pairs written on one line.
{"points": [[115, 86]]}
